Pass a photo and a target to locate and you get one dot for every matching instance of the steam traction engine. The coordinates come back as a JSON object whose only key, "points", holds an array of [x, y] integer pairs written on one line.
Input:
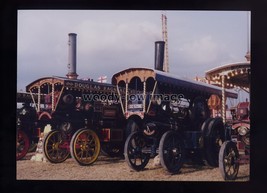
{"points": [[27, 128], [83, 119], [168, 116], [236, 149], [84, 115]]}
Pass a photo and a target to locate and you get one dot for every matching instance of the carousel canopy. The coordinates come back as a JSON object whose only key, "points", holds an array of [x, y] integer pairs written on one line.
{"points": [[236, 75]]}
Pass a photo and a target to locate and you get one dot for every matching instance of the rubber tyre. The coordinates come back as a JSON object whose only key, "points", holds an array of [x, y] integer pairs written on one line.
{"points": [[134, 157], [51, 147], [204, 130], [171, 152], [228, 160], [204, 127], [213, 139], [85, 147]]}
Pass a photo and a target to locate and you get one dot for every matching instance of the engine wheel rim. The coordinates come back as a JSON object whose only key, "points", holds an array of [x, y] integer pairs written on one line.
{"points": [[53, 147], [135, 157], [171, 152], [213, 141], [246, 139], [85, 147], [23, 144], [229, 161]]}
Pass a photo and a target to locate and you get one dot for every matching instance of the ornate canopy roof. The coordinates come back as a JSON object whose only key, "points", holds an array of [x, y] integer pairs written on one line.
{"points": [[168, 79], [236, 75]]}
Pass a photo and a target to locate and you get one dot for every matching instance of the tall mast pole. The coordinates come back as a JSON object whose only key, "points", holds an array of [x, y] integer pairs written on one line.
{"points": [[247, 56], [165, 39]]}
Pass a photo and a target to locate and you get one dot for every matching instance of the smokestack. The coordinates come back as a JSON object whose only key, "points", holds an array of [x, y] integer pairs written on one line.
{"points": [[159, 55], [72, 57]]}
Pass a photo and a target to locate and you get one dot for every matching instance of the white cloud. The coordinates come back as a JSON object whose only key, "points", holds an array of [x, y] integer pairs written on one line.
{"points": [[114, 36], [200, 51]]}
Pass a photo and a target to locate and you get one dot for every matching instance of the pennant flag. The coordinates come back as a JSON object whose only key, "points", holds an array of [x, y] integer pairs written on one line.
{"points": [[102, 79]]}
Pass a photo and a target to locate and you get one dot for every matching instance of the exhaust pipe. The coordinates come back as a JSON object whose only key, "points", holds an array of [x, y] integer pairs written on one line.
{"points": [[159, 55], [72, 57]]}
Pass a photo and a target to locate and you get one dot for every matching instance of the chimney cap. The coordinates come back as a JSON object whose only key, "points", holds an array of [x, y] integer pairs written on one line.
{"points": [[72, 34], [159, 41]]}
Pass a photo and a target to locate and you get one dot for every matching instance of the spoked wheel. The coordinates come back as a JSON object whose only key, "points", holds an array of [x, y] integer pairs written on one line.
{"points": [[135, 157], [112, 150], [229, 160], [213, 139], [85, 146], [55, 147], [171, 151], [23, 144]]}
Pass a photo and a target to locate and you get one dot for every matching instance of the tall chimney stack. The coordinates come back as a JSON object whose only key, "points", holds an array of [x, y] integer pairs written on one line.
{"points": [[159, 55], [72, 57]]}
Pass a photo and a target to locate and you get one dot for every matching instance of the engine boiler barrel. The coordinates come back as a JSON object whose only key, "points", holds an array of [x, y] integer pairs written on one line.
{"points": [[159, 55], [72, 56]]}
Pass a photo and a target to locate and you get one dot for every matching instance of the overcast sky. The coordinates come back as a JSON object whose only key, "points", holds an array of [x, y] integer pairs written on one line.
{"points": [[110, 41]]}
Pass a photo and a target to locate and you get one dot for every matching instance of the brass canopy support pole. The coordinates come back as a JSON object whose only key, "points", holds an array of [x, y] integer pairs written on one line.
{"points": [[144, 97], [122, 108], [53, 97], [34, 101], [152, 96], [39, 99], [126, 96], [223, 99], [61, 91]]}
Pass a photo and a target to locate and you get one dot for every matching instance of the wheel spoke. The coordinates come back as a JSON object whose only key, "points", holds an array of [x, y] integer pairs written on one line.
{"points": [[135, 157], [171, 151], [22, 144], [228, 160], [54, 147], [85, 146]]}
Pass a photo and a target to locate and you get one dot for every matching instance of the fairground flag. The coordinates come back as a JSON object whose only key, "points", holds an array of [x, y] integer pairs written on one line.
{"points": [[102, 79]]}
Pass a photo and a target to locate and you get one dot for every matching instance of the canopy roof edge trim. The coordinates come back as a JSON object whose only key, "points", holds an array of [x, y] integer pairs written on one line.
{"points": [[163, 77], [236, 75]]}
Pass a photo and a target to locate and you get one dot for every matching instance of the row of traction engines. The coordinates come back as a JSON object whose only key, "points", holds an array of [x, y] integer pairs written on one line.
{"points": [[130, 117]]}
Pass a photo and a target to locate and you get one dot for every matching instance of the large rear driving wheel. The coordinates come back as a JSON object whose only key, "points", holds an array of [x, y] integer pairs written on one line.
{"points": [[213, 139], [85, 146]]}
